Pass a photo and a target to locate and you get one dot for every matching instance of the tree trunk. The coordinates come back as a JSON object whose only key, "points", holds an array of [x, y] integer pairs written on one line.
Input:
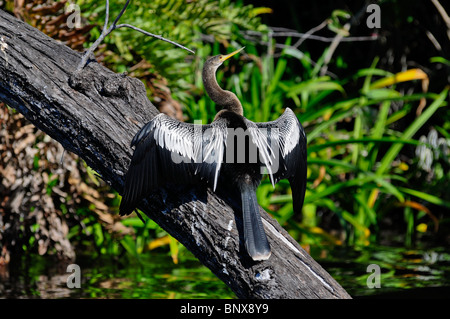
{"points": [[95, 113]]}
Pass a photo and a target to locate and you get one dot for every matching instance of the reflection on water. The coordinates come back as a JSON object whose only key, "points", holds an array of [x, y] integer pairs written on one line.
{"points": [[403, 273], [153, 276]]}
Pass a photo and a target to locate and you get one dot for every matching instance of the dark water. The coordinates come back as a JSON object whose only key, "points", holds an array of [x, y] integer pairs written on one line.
{"points": [[403, 274], [152, 276]]}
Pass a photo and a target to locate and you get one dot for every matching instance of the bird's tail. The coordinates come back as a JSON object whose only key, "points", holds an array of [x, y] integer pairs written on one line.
{"points": [[255, 238]]}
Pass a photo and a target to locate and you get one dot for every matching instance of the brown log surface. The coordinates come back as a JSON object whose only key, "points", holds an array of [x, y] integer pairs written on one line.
{"points": [[95, 113]]}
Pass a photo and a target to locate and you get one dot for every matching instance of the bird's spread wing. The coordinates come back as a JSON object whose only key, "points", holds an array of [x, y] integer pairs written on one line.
{"points": [[284, 152], [209, 153], [168, 150]]}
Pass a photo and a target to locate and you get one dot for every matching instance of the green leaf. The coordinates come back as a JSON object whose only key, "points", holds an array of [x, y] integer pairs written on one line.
{"points": [[439, 59], [429, 198], [410, 131], [294, 53], [382, 94], [332, 162], [315, 85]]}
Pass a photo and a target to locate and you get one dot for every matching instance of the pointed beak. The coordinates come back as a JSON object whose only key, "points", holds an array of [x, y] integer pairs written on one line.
{"points": [[226, 57]]}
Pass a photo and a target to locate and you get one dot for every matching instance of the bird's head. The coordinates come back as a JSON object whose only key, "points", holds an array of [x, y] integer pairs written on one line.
{"points": [[214, 62], [226, 99]]}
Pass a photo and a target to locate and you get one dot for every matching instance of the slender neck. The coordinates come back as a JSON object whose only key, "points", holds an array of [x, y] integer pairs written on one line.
{"points": [[228, 100]]}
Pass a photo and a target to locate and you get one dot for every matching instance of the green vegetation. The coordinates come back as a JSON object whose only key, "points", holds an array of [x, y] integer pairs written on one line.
{"points": [[378, 141]]}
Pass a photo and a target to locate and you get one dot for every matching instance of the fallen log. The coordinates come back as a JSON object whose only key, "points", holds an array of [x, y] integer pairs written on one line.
{"points": [[95, 113]]}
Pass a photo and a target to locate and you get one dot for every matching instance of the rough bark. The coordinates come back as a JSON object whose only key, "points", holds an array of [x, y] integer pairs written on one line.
{"points": [[95, 113]]}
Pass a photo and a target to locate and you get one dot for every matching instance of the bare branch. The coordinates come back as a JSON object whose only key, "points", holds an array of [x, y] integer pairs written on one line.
{"points": [[309, 33], [333, 46], [105, 25], [443, 14], [247, 35], [113, 27], [276, 32], [124, 25], [120, 14], [340, 37], [306, 36]]}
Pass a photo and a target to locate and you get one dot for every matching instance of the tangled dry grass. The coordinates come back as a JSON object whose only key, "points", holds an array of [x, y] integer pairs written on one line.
{"points": [[29, 163], [42, 191]]}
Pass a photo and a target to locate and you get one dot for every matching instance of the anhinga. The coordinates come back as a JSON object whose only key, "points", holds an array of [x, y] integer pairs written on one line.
{"points": [[168, 150]]}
